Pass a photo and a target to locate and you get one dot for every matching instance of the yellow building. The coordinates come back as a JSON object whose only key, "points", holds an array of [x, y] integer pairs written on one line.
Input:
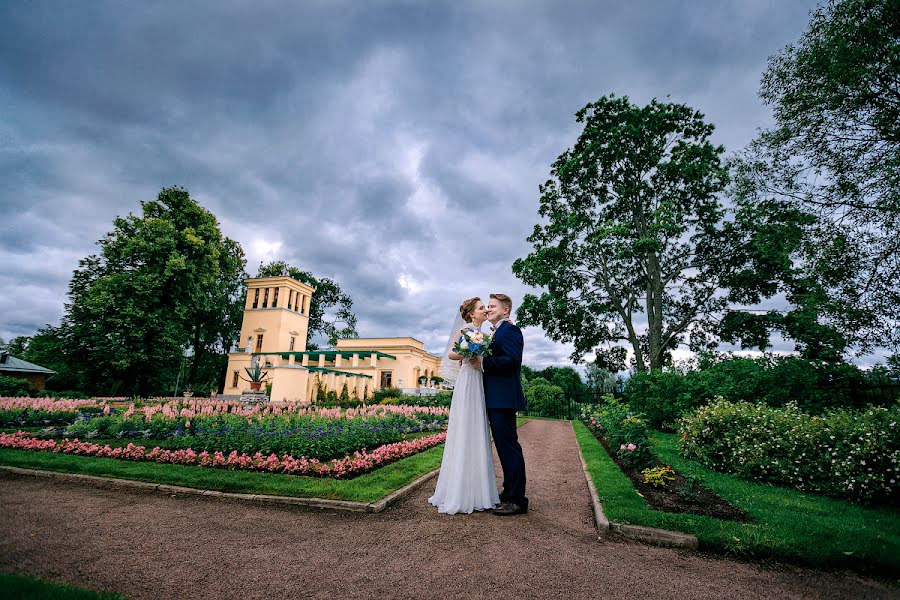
{"points": [[273, 332]]}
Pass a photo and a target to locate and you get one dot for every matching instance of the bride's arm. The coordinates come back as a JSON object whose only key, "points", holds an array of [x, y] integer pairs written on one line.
{"points": [[454, 356]]}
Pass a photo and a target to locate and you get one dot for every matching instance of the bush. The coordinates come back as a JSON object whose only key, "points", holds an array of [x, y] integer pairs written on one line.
{"points": [[440, 399], [662, 396], [390, 392], [545, 400], [626, 432], [846, 453], [13, 386], [815, 386]]}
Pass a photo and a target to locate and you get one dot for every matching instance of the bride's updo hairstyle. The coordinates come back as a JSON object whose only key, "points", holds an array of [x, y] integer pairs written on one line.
{"points": [[466, 308]]}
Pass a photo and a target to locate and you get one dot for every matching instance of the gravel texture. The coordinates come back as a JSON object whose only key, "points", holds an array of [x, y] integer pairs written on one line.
{"points": [[151, 545]]}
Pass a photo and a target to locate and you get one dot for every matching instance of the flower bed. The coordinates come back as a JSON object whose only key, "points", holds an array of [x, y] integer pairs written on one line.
{"points": [[625, 436], [22, 412], [846, 453], [348, 466]]}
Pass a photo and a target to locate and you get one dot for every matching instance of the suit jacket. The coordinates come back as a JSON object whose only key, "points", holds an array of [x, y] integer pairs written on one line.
{"points": [[503, 369]]}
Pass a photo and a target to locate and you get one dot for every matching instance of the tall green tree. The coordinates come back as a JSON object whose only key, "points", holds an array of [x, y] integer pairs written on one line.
{"points": [[629, 248], [164, 281], [832, 156], [330, 310]]}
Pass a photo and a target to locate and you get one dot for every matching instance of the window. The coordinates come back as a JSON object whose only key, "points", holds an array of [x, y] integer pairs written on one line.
{"points": [[385, 379], [266, 298], [296, 298], [290, 299], [234, 379], [259, 341], [275, 299], [292, 344], [256, 298]]}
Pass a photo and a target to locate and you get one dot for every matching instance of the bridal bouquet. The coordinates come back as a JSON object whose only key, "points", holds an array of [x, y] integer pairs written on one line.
{"points": [[472, 343]]}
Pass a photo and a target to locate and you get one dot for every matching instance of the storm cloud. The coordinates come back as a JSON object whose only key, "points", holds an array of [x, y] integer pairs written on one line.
{"points": [[396, 147]]}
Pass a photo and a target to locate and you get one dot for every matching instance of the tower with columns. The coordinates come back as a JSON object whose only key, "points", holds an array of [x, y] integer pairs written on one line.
{"points": [[274, 332]]}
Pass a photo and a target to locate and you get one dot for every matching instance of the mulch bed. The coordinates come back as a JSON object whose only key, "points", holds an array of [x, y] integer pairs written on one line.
{"points": [[680, 495]]}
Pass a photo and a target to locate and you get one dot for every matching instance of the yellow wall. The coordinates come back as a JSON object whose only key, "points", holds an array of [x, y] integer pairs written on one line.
{"points": [[290, 382]]}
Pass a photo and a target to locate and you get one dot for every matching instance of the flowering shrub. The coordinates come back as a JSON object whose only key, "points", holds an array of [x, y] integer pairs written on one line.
{"points": [[846, 453], [347, 466], [622, 429]]}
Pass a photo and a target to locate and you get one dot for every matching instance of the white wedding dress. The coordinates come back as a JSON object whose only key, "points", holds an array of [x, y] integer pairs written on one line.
{"points": [[467, 482]]}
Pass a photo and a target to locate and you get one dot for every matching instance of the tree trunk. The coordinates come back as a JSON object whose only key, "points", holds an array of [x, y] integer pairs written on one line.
{"points": [[654, 311]]}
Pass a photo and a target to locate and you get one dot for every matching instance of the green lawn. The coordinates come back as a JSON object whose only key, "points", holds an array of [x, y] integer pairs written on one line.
{"points": [[789, 525], [31, 588], [370, 487]]}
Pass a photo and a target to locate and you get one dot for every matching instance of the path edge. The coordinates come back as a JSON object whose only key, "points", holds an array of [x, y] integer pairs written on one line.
{"points": [[347, 505], [648, 535]]}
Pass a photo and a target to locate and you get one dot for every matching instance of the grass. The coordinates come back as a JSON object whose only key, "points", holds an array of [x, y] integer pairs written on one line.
{"points": [[28, 588], [369, 487], [789, 525]]}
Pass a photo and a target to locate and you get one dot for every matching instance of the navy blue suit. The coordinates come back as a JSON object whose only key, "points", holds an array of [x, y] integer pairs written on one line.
{"points": [[503, 396]]}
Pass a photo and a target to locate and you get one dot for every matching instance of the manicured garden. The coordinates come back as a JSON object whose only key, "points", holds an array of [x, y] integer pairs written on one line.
{"points": [[763, 463], [21, 586], [303, 449]]}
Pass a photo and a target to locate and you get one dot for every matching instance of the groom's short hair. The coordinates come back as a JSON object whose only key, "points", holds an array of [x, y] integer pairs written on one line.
{"points": [[504, 300]]}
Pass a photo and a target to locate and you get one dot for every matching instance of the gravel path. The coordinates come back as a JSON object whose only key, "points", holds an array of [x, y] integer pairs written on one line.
{"points": [[150, 545]]}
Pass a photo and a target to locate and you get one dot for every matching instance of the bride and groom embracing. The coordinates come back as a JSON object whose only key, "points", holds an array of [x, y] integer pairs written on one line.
{"points": [[487, 393]]}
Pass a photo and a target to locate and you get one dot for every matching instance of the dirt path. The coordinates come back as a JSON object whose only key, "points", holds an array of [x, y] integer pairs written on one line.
{"points": [[149, 545]]}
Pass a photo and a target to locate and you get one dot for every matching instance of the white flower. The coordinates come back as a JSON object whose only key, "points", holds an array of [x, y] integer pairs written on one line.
{"points": [[464, 345]]}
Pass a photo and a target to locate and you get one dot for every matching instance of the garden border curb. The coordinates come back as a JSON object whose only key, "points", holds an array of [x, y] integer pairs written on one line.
{"points": [[648, 535], [371, 507]]}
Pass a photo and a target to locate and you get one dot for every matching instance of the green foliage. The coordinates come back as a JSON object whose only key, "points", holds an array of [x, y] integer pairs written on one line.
{"points": [[256, 373], [814, 386], [345, 395], [23, 587], [442, 399], [658, 477], [846, 453], [626, 432], [311, 436], [162, 281], [389, 392], [630, 223], [13, 386], [829, 170], [545, 400], [787, 524], [328, 298]]}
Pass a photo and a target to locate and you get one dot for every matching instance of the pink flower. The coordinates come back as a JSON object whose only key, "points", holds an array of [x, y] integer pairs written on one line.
{"points": [[593, 422], [187, 423], [622, 447], [632, 447]]}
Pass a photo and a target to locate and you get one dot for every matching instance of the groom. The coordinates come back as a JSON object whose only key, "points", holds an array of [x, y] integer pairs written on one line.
{"points": [[503, 397]]}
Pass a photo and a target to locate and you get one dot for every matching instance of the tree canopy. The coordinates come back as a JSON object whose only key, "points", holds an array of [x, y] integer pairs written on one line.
{"points": [[824, 182], [630, 246], [164, 281]]}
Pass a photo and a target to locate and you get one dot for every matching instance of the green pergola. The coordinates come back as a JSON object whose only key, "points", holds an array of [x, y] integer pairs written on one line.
{"points": [[336, 372], [328, 354]]}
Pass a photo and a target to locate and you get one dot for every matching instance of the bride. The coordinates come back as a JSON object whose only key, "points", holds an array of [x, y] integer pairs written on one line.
{"points": [[466, 481]]}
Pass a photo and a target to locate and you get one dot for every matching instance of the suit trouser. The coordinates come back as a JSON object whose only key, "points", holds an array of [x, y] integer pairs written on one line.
{"points": [[506, 440]]}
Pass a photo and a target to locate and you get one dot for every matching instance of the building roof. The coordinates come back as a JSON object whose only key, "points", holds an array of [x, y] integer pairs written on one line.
{"points": [[11, 364]]}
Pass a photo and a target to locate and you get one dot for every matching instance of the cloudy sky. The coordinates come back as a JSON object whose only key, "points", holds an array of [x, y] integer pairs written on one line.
{"points": [[396, 147]]}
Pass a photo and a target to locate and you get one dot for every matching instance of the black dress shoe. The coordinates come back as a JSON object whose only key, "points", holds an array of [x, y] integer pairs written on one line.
{"points": [[510, 508]]}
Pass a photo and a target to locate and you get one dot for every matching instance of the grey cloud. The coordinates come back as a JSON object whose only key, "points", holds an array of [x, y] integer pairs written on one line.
{"points": [[395, 140]]}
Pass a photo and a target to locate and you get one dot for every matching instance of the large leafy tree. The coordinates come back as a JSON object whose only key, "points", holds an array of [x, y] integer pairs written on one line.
{"points": [[832, 160], [630, 246], [330, 310], [164, 281]]}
